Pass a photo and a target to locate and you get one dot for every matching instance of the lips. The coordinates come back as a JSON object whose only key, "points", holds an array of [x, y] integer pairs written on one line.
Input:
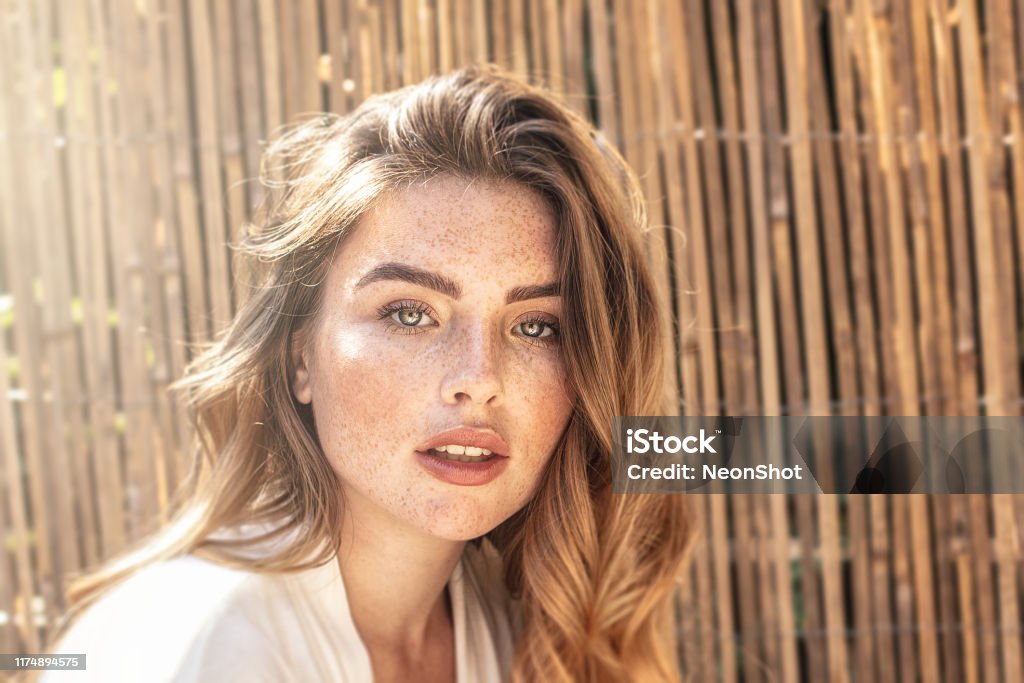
{"points": [[478, 471], [468, 436]]}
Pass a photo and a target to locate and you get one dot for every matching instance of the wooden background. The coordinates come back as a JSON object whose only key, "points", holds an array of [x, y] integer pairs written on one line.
{"points": [[837, 190]]}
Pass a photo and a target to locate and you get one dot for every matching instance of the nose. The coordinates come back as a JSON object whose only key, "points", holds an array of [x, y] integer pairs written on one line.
{"points": [[474, 374]]}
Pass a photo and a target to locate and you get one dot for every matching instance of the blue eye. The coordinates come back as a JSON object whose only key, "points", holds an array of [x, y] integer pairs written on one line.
{"points": [[536, 329], [406, 316], [410, 317], [539, 331]]}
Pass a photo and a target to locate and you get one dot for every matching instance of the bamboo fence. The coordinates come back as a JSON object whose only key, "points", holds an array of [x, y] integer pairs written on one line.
{"points": [[837, 194]]}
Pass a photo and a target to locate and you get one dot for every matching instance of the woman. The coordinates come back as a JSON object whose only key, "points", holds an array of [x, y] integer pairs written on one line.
{"points": [[404, 435]]}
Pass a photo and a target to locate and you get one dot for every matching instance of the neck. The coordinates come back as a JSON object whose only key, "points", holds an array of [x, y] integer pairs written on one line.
{"points": [[395, 577]]}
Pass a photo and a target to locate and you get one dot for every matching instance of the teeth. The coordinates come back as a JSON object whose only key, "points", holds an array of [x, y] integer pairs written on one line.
{"points": [[456, 449], [462, 453]]}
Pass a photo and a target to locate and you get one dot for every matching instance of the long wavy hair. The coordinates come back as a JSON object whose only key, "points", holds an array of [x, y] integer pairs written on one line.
{"points": [[594, 572]]}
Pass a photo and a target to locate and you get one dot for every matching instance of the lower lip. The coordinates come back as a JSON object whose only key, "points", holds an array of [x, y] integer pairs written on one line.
{"points": [[463, 473]]}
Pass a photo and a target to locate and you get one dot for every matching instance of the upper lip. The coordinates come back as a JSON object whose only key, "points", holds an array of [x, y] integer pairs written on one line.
{"points": [[468, 436]]}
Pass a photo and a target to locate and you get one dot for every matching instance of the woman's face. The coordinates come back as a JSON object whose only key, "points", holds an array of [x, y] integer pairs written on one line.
{"points": [[434, 367]]}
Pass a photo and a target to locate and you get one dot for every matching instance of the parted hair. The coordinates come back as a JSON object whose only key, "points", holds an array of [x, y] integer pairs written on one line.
{"points": [[593, 571]]}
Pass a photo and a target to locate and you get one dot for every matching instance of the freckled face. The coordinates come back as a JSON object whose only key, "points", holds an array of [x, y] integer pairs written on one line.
{"points": [[437, 315]]}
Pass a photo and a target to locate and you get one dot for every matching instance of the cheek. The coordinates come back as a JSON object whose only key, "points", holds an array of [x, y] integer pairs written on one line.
{"points": [[545, 408], [358, 396], [546, 388]]}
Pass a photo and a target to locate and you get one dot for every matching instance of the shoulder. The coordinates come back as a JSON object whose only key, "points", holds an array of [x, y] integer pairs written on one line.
{"points": [[180, 620]]}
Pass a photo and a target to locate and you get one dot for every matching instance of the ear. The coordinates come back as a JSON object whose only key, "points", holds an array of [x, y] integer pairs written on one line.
{"points": [[300, 380]]}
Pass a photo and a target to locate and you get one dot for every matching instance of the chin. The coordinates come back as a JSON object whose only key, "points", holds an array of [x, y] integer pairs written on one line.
{"points": [[457, 521]]}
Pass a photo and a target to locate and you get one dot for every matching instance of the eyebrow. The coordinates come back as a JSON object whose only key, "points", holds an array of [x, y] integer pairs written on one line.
{"points": [[445, 285]]}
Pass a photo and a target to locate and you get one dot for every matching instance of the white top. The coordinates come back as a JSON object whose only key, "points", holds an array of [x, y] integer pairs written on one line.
{"points": [[189, 619]]}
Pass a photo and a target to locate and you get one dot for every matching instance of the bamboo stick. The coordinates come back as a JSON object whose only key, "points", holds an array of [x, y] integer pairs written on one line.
{"points": [[461, 32], [934, 384], [692, 275], [291, 81], [880, 262], [795, 59], [722, 318], [9, 640], [1007, 556], [165, 264], [604, 76], [741, 337], [130, 228], [517, 28], [719, 538], [65, 430], [648, 60], [811, 304], [17, 560], [1000, 94], [842, 342], [428, 40], [842, 77], [755, 654], [988, 214], [270, 53], [363, 40], [924, 586], [624, 83], [21, 270], [704, 668], [112, 488], [72, 28], [684, 361], [880, 542], [390, 47], [779, 211], [500, 43], [230, 131], [771, 603], [967, 619], [252, 128], [413, 68], [374, 46], [907, 664], [778, 611], [935, 241], [538, 69], [307, 38], [828, 186], [982, 589], [573, 58], [547, 24], [341, 85], [81, 164], [479, 31], [861, 291], [185, 237], [207, 131], [16, 512], [445, 50]]}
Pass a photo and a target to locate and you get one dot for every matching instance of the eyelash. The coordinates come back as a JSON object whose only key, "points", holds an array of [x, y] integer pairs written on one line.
{"points": [[385, 312], [553, 340]]}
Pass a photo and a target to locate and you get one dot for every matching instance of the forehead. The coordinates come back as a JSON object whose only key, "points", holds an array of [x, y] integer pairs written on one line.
{"points": [[453, 225]]}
